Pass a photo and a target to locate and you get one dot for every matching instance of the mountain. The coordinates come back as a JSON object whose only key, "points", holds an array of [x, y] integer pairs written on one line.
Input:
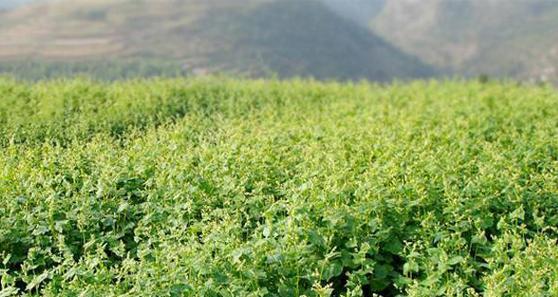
{"points": [[245, 37], [327, 39], [501, 38]]}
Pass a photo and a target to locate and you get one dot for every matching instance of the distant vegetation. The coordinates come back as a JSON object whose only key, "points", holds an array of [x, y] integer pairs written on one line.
{"points": [[35, 70], [218, 187]]}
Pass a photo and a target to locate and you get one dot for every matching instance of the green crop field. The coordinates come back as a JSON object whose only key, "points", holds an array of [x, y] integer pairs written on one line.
{"points": [[223, 187]]}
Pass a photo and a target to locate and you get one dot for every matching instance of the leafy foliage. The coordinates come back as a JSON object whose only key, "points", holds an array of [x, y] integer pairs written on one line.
{"points": [[219, 187], [35, 70]]}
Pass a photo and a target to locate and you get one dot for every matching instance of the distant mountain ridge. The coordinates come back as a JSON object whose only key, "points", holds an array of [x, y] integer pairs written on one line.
{"points": [[515, 39], [245, 37]]}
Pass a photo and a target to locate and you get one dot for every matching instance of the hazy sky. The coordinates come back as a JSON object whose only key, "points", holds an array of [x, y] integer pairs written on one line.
{"points": [[360, 11], [357, 10], [12, 3]]}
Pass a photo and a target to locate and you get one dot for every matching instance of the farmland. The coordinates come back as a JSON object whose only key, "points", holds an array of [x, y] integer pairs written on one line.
{"points": [[224, 187]]}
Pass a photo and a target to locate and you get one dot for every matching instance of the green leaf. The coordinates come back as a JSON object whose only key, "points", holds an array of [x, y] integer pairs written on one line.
{"points": [[37, 280], [6, 259], [394, 246], [9, 291], [455, 260], [266, 231], [333, 270], [410, 267], [178, 290]]}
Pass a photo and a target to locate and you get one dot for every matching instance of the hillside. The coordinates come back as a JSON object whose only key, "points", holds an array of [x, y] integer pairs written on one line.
{"points": [[246, 37], [501, 38]]}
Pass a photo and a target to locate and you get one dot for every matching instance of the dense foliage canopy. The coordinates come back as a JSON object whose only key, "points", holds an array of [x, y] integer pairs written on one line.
{"points": [[219, 187]]}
